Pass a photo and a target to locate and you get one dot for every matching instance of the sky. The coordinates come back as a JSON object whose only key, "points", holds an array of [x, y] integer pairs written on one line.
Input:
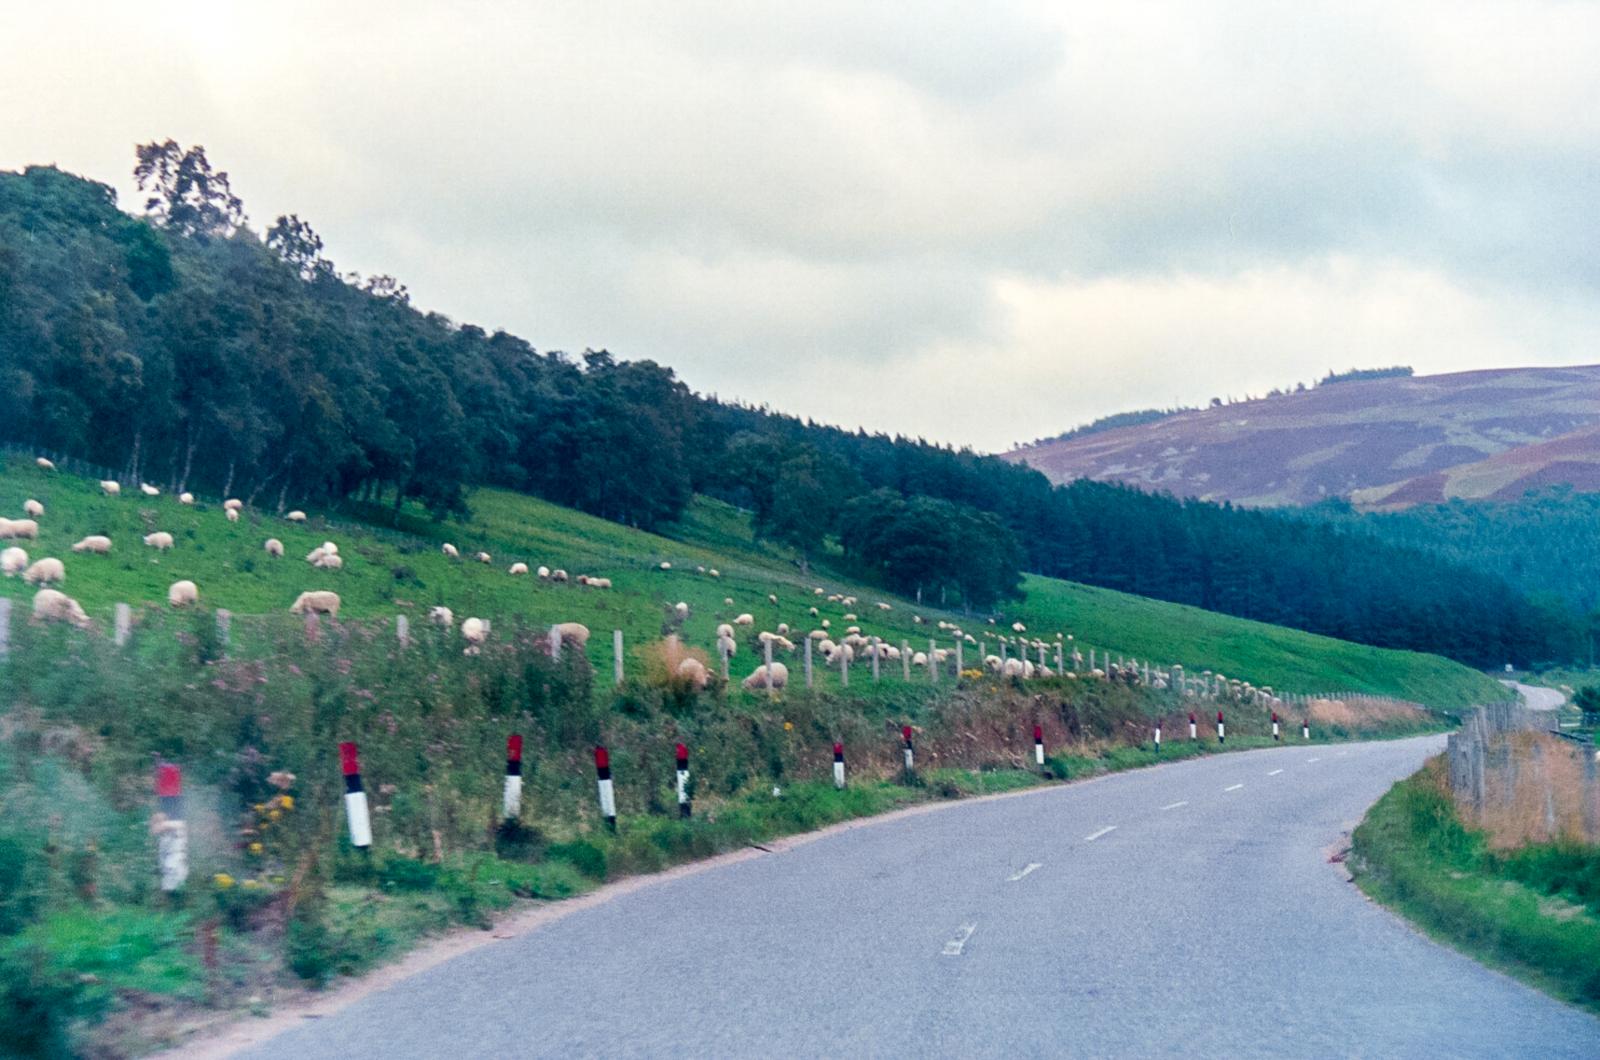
{"points": [[979, 224]]}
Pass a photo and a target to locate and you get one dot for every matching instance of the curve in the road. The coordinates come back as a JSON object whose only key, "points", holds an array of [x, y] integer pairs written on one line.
{"points": [[1185, 910]]}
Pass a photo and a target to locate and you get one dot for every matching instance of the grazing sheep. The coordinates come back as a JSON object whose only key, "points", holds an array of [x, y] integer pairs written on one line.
{"points": [[232, 514], [317, 601], [558, 575], [186, 497], [582, 579], [43, 465], [599, 583], [819, 590], [484, 557], [826, 623], [699, 570], [32, 508], [818, 634], [850, 616], [723, 629], [775, 676], [727, 601], [920, 659], [45, 571], [296, 516], [544, 573], [746, 619], [19, 528], [315, 555], [274, 547], [148, 490], [727, 646], [13, 561], [159, 540], [450, 550], [232, 504], [1018, 627], [52, 606], [330, 548], [714, 572], [693, 672], [181, 594], [440, 615], [783, 629], [573, 632], [680, 609], [110, 488], [665, 565], [474, 631], [96, 543], [814, 611], [518, 568], [885, 607], [329, 562], [772, 598]]}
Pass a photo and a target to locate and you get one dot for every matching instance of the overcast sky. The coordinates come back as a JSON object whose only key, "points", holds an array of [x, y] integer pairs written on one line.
{"points": [[977, 223]]}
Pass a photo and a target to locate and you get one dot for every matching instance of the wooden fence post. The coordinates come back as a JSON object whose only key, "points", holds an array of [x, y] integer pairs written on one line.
{"points": [[121, 623], [772, 688], [555, 644], [877, 650], [5, 626], [313, 627], [933, 664], [616, 654], [224, 626], [905, 658], [402, 630], [809, 642]]}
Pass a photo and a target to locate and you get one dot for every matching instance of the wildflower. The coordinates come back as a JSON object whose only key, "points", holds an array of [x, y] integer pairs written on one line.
{"points": [[255, 848], [251, 885], [273, 815], [788, 726], [286, 801], [282, 779], [222, 880]]}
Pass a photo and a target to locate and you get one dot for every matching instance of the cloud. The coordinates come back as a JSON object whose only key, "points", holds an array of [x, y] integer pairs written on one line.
{"points": [[876, 216]]}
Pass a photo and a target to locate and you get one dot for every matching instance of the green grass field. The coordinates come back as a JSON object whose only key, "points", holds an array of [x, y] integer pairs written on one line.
{"points": [[404, 571]]}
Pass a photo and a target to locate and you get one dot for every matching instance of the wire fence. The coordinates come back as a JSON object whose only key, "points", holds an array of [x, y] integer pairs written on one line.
{"points": [[1514, 776]]}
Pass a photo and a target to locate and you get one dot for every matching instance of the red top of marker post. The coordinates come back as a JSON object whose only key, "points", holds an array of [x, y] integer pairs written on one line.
{"points": [[169, 781], [514, 747], [1274, 717], [1191, 717], [838, 748], [1038, 734], [905, 731], [683, 752], [1219, 717], [349, 762], [602, 759]]}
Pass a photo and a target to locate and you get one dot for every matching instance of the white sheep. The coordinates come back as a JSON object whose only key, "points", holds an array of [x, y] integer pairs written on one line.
{"points": [[316, 601], [182, 594], [599, 583], [148, 490], [746, 619], [681, 610], [19, 528], [96, 543], [544, 573], [920, 659], [13, 561], [727, 646], [32, 508], [52, 606], [330, 562], [484, 557], [296, 516], [185, 497], [232, 514], [558, 575], [44, 465], [110, 488], [693, 672], [850, 616], [518, 568], [664, 565], [723, 629], [727, 601], [772, 598], [1018, 627], [440, 615], [450, 550], [885, 607], [775, 676], [274, 547], [575, 632], [232, 504], [582, 579], [474, 630], [45, 572], [159, 540], [714, 572]]}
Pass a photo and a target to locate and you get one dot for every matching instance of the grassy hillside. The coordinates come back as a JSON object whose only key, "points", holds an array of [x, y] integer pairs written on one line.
{"points": [[391, 572]]}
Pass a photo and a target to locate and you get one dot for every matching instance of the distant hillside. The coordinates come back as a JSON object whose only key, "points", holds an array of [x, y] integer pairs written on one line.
{"points": [[1393, 440]]}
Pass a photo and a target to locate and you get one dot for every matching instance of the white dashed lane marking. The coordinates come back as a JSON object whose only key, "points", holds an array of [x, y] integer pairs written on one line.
{"points": [[953, 947], [1236, 787], [1107, 829], [1274, 773], [1175, 805], [1030, 867]]}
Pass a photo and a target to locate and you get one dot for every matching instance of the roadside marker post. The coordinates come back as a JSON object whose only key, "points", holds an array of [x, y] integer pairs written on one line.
{"points": [[905, 733], [172, 841], [608, 795], [1158, 736], [1222, 730], [1038, 745], [1305, 729], [838, 765], [355, 797], [1275, 733], [511, 797], [1194, 729], [683, 781]]}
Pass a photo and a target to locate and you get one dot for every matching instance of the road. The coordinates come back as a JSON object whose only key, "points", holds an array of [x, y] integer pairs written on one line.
{"points": [[1535, 697], [1184, 910]]}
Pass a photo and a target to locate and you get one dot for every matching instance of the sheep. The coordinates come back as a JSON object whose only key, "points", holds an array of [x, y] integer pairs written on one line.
{"points": [[474, 630], [450, 550], [772, 598], [544, 573], [699, 570], [582, 579], [814, 612], [681, 610], [316, 601], [180, 594], [774, 676], [232, 514], [43, 465], [19, 528], [885, 607], [664, 565], [558, 575], [991, 663], [96, 543], [599, 583], [826, 623], [818, 634], [727, 601], [575, 632], [920, 659], [13, 561], [232, 504], [296, 516], [484, 557], [159, 540], [330, 548], [783, 629], [52, 606], [746, 619], [852, 630], [329, 562], [440, 615], [727, 645], [1018, 627], [274, 547], [693, 672], [45, 571], [850, 616], [315, 555], [185, 497], [110, 488], [723, 630], [916, 620], [32, 508], [714, 572], [148, 490], [518, 569]]}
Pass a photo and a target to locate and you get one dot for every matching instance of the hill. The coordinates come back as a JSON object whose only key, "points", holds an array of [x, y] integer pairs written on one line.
{"points": [[389, 571], [1393, 440]]}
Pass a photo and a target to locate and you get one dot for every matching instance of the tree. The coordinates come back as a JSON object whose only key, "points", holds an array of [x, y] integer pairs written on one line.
{"points": [[297, 243], [185, 194]]}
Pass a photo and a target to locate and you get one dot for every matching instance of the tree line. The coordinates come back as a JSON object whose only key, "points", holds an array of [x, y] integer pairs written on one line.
{"points": [[186, 350]]}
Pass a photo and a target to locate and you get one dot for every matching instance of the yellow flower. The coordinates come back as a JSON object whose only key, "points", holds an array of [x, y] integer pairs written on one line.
{"points": [[256, 848], [222, 880], [788, 726], [287, 801], [251, 885], [274, 814], [260, 807]]}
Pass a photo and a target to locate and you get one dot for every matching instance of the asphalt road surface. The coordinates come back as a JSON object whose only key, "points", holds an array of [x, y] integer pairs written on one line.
{"points": [[1184, 910], [1536, 697]]}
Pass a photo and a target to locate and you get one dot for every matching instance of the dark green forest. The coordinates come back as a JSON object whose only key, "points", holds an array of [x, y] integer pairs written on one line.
{"points": [[183, 349]]}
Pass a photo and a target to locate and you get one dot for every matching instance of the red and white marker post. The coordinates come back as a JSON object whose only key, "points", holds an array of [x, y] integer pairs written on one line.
{"points": [[1222, 730], [683, 781], [511, 797], [1194, 727], [1275, 734], [608, 795], [172, 836], [838, 765], [905, 732], [1158, 736], [1305, 729], [1038, 745], [355, 797]]}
